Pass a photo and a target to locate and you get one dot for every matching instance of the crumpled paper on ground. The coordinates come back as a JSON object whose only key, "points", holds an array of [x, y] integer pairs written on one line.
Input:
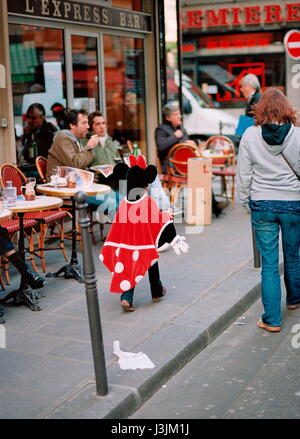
{"points": [[131, 360]]}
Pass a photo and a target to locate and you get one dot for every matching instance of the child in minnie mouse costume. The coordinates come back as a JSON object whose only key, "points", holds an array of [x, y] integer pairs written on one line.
{"points": [[138, 231]]}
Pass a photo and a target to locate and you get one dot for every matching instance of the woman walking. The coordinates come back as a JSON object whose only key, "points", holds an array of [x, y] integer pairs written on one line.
{"points": [[269, 182]]}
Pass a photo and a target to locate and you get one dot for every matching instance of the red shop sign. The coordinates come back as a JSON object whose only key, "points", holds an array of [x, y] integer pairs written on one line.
{"points": [[236, 40]]}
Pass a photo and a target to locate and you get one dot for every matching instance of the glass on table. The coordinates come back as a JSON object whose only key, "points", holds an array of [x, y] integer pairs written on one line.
{"points": [[55, 174]]}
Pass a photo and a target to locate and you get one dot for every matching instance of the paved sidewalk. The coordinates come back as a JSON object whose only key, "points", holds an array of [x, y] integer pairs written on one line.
{"points": [[47, 367]]}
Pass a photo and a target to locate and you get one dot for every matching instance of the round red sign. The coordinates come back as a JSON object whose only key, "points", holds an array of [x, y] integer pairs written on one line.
{"points": [[292, 43]]}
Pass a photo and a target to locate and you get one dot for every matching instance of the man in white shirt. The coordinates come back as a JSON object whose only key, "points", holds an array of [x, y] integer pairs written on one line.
{"points": [[106, 152]]}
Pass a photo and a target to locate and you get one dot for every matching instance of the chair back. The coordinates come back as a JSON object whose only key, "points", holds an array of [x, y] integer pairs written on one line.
{"points": [[11, 173], [221, 145], [41, 166], [178, 157]]}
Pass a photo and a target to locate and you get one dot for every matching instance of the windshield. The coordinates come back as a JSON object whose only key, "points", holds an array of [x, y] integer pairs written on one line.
{"points": [[202, 99]]}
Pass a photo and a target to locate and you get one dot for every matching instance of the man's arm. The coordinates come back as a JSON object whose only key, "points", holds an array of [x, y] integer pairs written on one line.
{"points": [[64, 149], [164, 140]]}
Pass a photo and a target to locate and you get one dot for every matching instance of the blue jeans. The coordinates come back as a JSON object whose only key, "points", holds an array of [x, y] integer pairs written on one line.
{"points": [[267, 226]]}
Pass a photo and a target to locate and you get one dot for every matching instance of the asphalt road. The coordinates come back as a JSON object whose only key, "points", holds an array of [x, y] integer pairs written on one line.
{"points": [[246, 373]]}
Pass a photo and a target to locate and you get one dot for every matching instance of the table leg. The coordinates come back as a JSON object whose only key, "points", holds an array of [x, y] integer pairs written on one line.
{"points": [[24, 295], [73, 269]]}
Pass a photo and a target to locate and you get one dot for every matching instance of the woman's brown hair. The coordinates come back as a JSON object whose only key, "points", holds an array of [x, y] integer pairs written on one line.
{"points": [[274, 107]]}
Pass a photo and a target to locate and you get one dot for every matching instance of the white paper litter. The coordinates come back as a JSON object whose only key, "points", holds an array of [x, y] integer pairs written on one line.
{"points": [[132, 360]]}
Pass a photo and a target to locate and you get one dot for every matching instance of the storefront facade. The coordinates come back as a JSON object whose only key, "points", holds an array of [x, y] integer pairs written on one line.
{"points": [[224, 40], [92, 54]]}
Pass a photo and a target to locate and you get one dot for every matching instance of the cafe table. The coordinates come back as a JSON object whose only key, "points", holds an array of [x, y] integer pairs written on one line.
{"points": [[25, 295], [73, 269], [5, 214]]}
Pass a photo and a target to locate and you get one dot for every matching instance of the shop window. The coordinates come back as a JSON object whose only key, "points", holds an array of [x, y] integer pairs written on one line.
{"points": [[125, 89], [171, 47], [37, 69], [217, 63], [85, 72], [134, 5]]}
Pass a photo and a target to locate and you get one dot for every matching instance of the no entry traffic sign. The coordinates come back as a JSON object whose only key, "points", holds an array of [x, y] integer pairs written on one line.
{"points": [[292, 44]]}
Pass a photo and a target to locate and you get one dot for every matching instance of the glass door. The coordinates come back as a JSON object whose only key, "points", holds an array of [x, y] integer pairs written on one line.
{"points": [[124, 79], [83, 71]]}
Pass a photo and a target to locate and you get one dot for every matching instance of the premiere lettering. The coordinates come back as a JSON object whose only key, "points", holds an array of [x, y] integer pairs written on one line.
{"points": [[238, 16], [83, 13]]}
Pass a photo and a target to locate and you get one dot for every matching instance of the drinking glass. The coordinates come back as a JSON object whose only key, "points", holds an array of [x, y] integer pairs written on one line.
{"points": [[55, 174]]}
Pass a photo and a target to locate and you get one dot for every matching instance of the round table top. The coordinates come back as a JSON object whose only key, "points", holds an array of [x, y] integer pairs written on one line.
{"points": [[92, 189], [40, 203], [210, 154], [5, 213]]}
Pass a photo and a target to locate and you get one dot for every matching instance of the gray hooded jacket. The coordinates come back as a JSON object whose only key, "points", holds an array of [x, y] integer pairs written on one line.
{"points": [[262, 172]]}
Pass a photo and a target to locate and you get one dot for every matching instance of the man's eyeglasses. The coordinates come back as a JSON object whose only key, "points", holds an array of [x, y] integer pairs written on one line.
{"points": [[31, 117]]}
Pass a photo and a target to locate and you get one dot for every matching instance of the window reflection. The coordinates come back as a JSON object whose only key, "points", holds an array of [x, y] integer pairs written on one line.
{"points": [[170, 11], [38, 69], [85, 72], [135, 5], [125, 89]]}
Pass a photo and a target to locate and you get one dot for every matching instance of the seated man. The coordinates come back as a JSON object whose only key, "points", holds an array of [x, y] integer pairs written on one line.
{"points": [[106, 152], [171, 132], [66, 149], [37, 137]]}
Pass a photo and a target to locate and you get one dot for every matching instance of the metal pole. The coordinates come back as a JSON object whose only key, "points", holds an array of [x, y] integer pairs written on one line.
{"points": [[256, 254], [91, 296]]}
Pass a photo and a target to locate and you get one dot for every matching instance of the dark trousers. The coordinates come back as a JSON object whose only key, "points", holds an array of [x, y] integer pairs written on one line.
{"points": [[155, 285], [5, 242]]}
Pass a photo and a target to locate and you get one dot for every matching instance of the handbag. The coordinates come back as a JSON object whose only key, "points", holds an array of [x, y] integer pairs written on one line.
{"points": [[298, 176]]}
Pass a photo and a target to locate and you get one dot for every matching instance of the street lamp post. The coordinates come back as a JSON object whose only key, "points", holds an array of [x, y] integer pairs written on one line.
{"points": [[92, 296]]}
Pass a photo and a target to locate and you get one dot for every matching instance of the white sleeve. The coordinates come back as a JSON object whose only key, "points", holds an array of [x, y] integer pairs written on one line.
{"points": [[244, 171]]}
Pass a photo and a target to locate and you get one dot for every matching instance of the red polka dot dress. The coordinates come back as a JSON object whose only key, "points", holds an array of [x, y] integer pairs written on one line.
{"points": [[130, 247]]}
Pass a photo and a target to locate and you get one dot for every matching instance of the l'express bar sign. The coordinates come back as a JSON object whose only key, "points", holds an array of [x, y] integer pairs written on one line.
{"points": [[241, 15], [85, 13]]}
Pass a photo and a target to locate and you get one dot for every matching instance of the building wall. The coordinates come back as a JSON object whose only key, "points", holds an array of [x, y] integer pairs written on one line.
{"points": [[7, 136]]}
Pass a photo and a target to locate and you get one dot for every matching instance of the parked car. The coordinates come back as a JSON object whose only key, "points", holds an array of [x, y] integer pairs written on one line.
{"points": [[201, 117]]}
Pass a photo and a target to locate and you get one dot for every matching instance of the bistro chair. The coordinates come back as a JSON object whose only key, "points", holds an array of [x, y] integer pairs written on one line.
{"points": [[44, 218], [41, 166], [224, 166], [177, 167]]}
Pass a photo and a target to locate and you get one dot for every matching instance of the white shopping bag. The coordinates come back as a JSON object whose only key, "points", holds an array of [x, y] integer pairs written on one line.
{"points": [[131, 360]]}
